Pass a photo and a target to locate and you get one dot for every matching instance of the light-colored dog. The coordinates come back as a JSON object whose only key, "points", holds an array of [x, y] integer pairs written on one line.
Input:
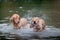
{"points": [[38, 24], [23, 22], [17, 21]]}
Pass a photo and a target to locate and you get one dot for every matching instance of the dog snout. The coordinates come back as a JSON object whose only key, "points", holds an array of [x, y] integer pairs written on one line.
{"points": [[16, 21]]}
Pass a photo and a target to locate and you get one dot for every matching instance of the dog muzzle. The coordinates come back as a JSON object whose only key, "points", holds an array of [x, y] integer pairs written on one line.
{"points": [[34, 24]]}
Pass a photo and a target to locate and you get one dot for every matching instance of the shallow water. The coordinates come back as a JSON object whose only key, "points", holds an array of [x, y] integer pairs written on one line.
{"points": [[27, 33]]}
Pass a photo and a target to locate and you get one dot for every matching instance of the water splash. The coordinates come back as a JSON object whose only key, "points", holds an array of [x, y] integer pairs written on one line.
{"points": [[27, 31]]}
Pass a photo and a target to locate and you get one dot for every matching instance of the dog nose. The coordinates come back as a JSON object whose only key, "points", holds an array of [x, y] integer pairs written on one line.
{"points": [[34, 22]]}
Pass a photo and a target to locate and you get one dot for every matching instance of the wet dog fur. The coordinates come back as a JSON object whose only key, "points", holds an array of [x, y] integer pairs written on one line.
{"points": [[38, 24]]}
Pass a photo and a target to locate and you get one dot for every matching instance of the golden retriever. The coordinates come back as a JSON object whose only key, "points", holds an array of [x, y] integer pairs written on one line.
{"points": [[38, 24], [17, 21]]}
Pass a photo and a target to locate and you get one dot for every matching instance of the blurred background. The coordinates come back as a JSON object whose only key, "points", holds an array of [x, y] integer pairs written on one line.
{"points": [[49, 10]]}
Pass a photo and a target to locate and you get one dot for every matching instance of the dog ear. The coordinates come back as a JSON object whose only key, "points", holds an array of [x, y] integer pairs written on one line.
{"points": [[12, 20], [38, 21]]}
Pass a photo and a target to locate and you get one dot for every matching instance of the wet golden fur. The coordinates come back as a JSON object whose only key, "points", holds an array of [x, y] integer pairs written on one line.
{"points": [[17, 21], [39, 24]]}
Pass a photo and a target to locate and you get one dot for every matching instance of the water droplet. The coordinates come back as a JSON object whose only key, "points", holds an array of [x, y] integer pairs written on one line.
{"points": [[10, 11], [20, 7], [28, 11]]}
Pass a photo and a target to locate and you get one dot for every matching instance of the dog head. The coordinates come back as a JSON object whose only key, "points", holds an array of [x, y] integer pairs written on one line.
{"points": [[15, 19], [34, 22]]}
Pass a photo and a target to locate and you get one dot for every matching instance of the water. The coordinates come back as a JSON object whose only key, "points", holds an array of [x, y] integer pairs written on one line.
{"points": [[8, 33], [47, 10]]}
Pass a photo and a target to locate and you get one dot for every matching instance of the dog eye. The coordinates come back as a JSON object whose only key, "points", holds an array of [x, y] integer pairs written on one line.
{"points": [[34, 22]]}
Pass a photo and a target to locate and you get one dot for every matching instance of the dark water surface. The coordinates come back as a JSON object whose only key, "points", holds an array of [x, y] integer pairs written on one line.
{"points": [[47, 10]]}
